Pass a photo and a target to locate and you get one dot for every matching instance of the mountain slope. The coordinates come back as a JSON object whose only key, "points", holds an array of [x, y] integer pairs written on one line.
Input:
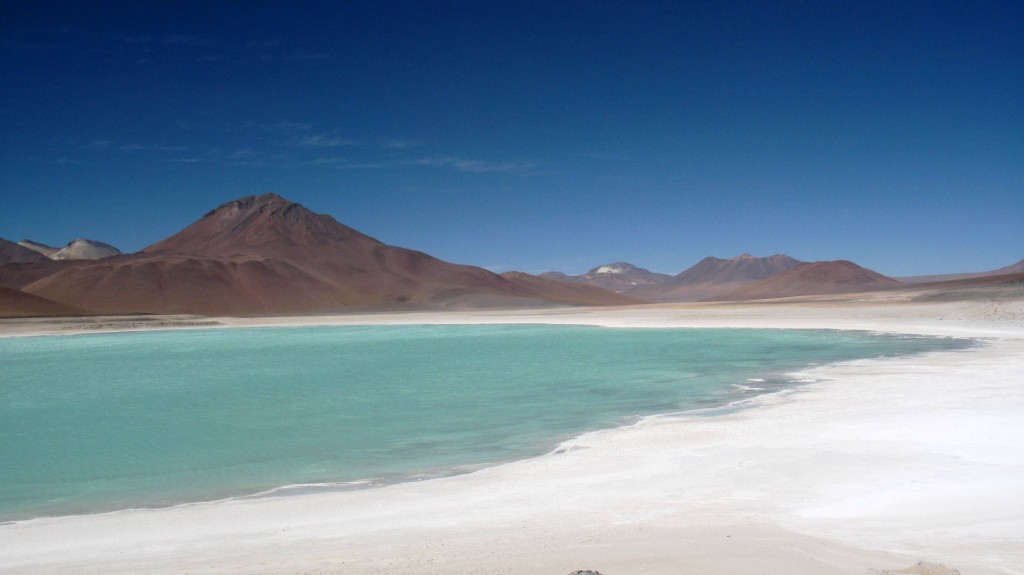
{"points": [[813, 279], [267, 255], [713, 276], [1010, 269], [16, 303], [11, 252], [38, 247], [569, 292]]}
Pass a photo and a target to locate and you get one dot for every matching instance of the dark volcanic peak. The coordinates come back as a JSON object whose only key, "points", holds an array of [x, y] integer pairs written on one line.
{"points": [[744, 267], [265, 225], [816, 278], [713, 276]]}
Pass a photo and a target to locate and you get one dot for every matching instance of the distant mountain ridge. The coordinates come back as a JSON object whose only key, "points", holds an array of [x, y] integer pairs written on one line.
{"points": [[1010, 269], [713, 277], [267, 255], [817, 278], [619, 277]]}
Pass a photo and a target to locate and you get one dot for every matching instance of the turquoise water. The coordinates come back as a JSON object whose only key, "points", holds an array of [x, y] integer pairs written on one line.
{"points": [[111, 421]]}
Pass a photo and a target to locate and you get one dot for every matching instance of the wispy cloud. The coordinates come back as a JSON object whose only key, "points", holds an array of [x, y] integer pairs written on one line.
{"points": [[143, 39], [298, 56], [477, 166], [603, 157], [399, 144], [323, 141], [151, 148], [189, 41], [287, 127], [98, 145], [293, 144], [189, 160]]}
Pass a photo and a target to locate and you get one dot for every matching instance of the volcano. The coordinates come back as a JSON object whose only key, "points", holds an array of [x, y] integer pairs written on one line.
{"points": [[815, 278], [265, 255], [713, 276]]}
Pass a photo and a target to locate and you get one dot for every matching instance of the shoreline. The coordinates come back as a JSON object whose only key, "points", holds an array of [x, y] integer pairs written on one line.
{"points": [[835, 478], [731, 398]]}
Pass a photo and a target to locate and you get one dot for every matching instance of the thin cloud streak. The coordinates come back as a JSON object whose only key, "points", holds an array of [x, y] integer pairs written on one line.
{"points": [[189, 41], [477, 166], [323, 141], [292, 145], [151, 148]]}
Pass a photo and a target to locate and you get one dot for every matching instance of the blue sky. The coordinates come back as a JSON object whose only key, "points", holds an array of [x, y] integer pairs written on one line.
{"points": [[530, 135]]}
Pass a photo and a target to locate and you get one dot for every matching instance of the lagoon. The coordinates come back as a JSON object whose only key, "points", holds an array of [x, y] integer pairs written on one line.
{"points": [[101, 422]]}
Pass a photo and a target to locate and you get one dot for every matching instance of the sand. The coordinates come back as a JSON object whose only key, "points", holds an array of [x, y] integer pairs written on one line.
{"points": [[874, 464]]}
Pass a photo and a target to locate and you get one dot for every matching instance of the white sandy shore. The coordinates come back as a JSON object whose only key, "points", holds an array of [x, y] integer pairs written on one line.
{"points": [[877, 465]]}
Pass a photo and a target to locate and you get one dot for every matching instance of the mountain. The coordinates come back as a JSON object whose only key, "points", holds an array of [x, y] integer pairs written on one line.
{"points": [[570, 292], [618, 277], [813, 279], [1010, 269], [267, 255], [80, 249], [19, 274], [83, 249], [16, 303], [11, 252], [38, 247], [713, 276]]}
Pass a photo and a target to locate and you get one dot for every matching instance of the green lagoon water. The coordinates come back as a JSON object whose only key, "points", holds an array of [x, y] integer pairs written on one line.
{"points": [[101, 422]]}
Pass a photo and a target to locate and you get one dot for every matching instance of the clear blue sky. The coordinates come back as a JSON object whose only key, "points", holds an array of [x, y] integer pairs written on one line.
{"points": [[530, 135]]}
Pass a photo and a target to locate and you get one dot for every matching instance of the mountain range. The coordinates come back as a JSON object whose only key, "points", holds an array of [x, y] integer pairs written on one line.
{"points": [[714, 277], [747, 277], [816, 278], [267, 255]]}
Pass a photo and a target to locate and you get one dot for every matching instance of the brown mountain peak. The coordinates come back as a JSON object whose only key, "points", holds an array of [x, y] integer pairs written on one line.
{"points": [[263, 226], [814, 278]]}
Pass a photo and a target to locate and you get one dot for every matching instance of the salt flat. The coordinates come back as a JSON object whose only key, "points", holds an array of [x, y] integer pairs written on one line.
{"points": [[876, 464]]}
